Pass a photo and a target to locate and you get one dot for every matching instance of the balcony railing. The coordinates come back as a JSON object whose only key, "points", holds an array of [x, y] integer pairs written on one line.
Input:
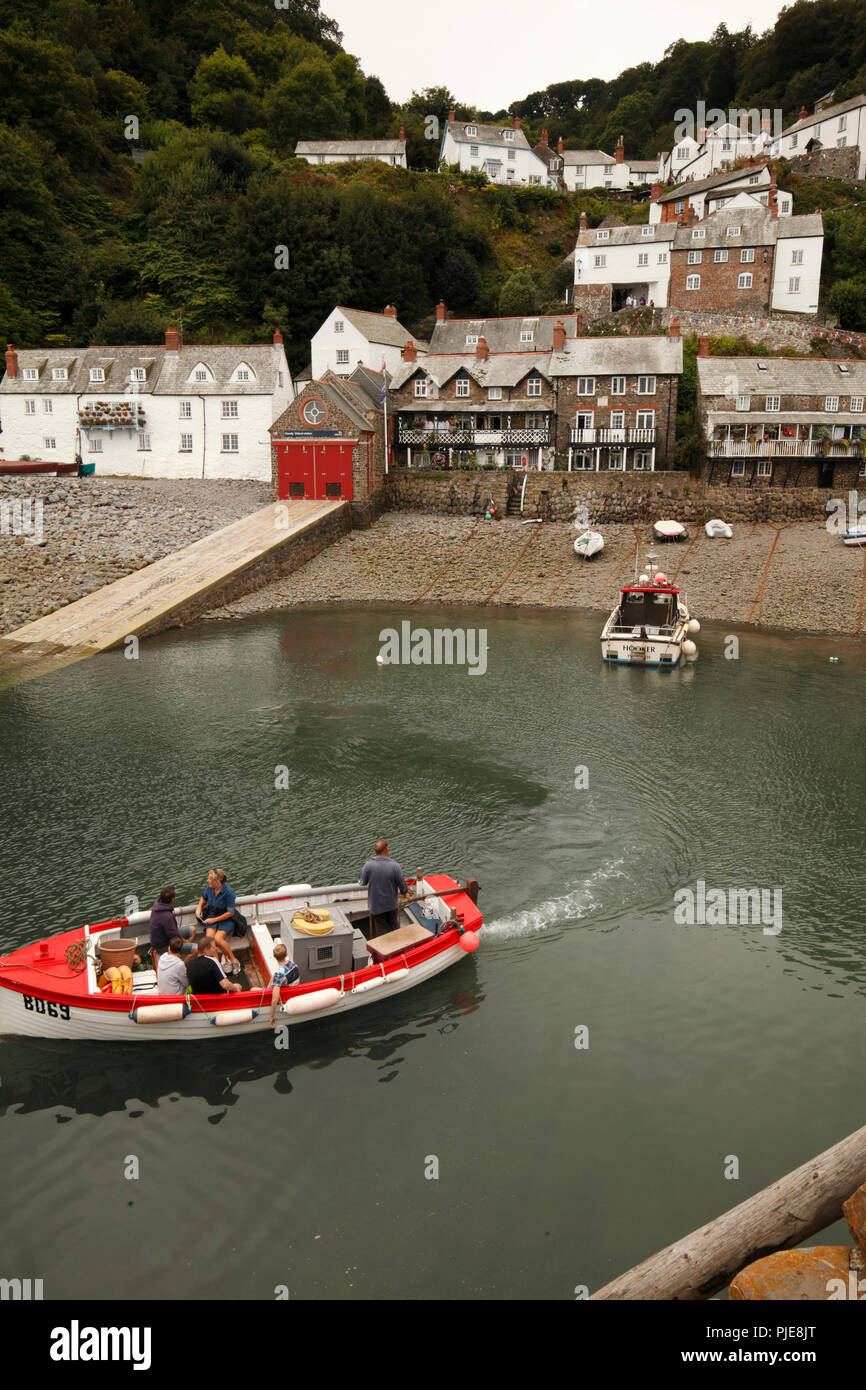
{"points": [[782, 448], [609, 436], [469, 439]]}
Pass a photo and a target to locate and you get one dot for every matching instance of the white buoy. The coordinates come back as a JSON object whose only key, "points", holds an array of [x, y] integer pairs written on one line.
{"points": [[694, 625], [689, 648], [644, 579]]}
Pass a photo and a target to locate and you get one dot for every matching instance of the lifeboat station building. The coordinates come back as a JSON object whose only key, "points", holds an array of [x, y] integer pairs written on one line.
{"points": [[329, 443]]}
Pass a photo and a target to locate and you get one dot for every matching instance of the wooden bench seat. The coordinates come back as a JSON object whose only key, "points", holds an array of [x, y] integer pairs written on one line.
{"points": [[393, 943]]}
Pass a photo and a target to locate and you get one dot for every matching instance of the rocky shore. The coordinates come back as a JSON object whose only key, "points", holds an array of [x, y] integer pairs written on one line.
{"points": [[793, 576], [76, 535], [812, 583]]}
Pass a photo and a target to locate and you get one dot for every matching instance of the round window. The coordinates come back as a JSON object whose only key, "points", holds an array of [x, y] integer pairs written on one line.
{"points": [[313, 412]]}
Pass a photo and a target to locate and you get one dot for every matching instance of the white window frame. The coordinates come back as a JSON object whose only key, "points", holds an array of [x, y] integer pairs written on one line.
{"points": [[733, 231], [586, 386], [646, 385], [603, 234], [421, 384], [29, 406], [738, 468], [699, 234], [229, 410], [342, 357], [856, 405], [772, 404], [764, 468], [695, 257], [599, 262], [47, 405], [647, 231], [137, 374], [185, 446], [617, 419], [720, 257], [794, 284], [49, 441], [744, 281], [663, 258], [97, 373], [494, 393], [94, 444], [59, 374], [184, 410], [533, 386], [461, 386], [144, 443], [30, 373], [645, 419], [643, 258], [618, 385], [831, 404], [232, 446], [744, 403], [339, 326], [747, 255], [693, 282]]}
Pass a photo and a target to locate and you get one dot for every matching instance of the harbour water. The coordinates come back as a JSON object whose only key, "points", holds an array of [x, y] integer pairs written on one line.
{"points": [[460, 1141]]}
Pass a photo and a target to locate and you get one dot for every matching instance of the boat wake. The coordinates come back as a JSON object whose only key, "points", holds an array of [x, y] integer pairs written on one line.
{"points": [[579, 902]]}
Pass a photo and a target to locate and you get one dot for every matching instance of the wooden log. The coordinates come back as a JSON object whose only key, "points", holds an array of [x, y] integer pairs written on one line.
{"points": [[776, 1218]]}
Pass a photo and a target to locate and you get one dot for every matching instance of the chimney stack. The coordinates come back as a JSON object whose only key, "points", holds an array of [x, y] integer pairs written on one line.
{"points": [[619, 152], [173, 339], [704, 345], [559, 145], [584, 225], [516, 123], [544, 139], [441, 312], [558, 336], [482, 352], [390, 311], [772, 198], [451, 113], [675, 328], [803, 114], [656, 192], [278, 338], [410, 352], [402, 135], [11, 361], [766, 125], [579, 317]]}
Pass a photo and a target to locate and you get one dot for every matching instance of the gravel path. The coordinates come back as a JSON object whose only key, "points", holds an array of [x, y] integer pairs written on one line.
{"points": [[813, 584], [94, 530]]}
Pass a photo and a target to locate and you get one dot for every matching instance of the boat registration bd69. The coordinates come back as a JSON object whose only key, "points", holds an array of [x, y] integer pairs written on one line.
{"points": [[51, 988]]}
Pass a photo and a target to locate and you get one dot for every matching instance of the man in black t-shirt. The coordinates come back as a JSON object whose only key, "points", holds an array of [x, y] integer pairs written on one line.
{"points": [[205, 973]]}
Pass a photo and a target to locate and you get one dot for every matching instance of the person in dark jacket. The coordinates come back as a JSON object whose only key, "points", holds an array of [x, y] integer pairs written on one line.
{"points": [[384, 879], [164, 925]]}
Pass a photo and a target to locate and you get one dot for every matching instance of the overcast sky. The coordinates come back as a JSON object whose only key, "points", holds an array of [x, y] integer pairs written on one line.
{"points": [[493, 52]]}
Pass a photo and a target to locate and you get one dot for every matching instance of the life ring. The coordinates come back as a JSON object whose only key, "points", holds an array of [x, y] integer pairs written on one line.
{"points": [[313, 923], [118, 980]]}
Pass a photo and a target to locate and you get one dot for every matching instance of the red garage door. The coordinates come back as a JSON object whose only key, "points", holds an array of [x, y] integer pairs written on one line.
{"points": [[305, 469]]}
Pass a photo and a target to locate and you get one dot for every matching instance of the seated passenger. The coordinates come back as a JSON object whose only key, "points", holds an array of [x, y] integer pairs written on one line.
{"points": [[171, 976], [286, 973], [164, 926], [216, 912], [205, 973]]}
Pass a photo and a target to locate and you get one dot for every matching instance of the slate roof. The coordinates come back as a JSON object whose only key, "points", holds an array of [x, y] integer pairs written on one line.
{"points": [[798, 376], [629, 236], [487, 135], [380, 328], [643, 166], [757, 228], [167, 373], [350, 147], [501, 334], [691, 186], [827, 114], [660, 356], [579, 157], [503, 369], [369, 381]]}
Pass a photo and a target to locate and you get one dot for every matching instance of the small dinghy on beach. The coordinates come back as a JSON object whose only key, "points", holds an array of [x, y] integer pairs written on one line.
{"points": [[669, 531], [718, 530], [51, 988], [855, 535], [589, 544]]}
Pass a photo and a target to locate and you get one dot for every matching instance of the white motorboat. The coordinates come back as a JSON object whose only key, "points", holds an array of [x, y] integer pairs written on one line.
{"points": [[669, 531], [589, 544], [718, 530], [855, 535], [650, 625]]}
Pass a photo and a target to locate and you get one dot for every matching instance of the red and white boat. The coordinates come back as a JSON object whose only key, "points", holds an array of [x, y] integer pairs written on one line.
{"points": [[49, 989]]}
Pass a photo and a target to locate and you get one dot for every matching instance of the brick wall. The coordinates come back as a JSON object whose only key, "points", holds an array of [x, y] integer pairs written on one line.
{"points": [[620, 497], [592, 300], [663, 402], [719, 280], [829, 164]]}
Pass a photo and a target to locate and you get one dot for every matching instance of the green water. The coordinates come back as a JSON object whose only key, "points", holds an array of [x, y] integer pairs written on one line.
{"points": [[557, 1166]]}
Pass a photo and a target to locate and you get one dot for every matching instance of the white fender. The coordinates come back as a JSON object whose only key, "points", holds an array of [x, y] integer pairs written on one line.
{"points": [[230, 1017], [397, 974], [159, 1013], [309, 1003], [366, 985]]}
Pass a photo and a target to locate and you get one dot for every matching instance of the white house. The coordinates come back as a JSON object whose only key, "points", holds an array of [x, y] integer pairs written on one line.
{"points": [[156, 412], [353, 337], [715, 149], [797, 264], [502, 153], [703, 196], [349, 151], [590, 169], [830, 127], [614, 262]]}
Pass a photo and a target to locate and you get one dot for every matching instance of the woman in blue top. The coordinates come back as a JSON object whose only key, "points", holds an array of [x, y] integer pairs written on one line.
{"points": [[216, 911]]}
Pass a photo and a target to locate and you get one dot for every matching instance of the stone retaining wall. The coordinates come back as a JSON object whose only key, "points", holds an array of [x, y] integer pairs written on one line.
{"points": [[626, 497]]}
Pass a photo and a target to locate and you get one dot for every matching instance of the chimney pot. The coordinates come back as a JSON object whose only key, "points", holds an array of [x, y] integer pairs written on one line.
{"points": [[544, 138], [559, 145], [482, 352], [11, 361], [441, 311], [619, 152], [675, 328], [278, 337], [584, 225], [391, 311], [803, 114], [704, 345], [516, 123]]}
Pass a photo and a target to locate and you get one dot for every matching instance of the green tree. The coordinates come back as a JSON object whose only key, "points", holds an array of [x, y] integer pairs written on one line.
{"points": [[305, 105], [519, 294], [222, 93]]}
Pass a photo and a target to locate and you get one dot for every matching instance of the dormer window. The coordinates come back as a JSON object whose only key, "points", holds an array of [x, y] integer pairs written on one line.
{"points": [[461, 386], [734, 231], [527, 335], [699, 234], [200, 373], [533, 386], [508, 134], [647, 231], [243, 372], [59, 374], [137, 374], [421, 384], [602, 236], [31, 373], [472, 130], [97, 373], [471, 339]]}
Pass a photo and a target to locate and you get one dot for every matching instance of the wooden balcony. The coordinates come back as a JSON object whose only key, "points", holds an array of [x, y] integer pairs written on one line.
{"points": [[609, 436], [783, 448]]}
